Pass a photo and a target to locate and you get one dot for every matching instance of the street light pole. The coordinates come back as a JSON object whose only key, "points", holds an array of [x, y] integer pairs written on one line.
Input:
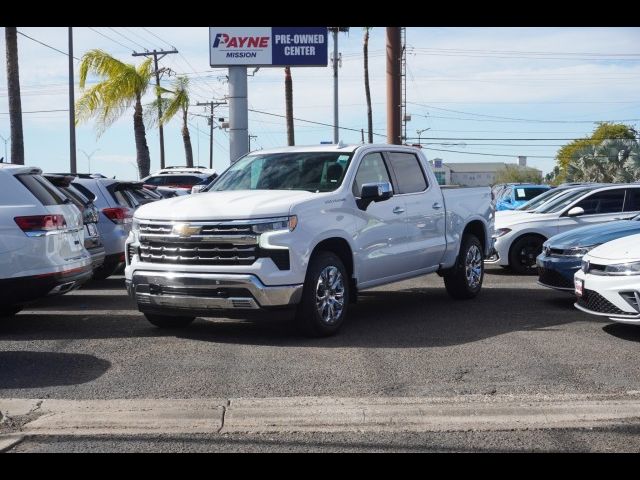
{"points": [[89, 155], [419, 132]]}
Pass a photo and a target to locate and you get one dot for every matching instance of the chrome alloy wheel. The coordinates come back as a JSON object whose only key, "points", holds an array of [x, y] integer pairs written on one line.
{"points": [[330, 295], [473, 266]]}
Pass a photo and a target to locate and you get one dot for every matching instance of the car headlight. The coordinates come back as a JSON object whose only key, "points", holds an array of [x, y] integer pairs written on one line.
{"points": [[578, 251], [276, 224], [632, 268], [501, 232]]}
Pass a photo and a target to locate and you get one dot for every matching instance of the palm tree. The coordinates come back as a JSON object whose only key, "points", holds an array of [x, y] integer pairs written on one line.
{"points": [[611, 161], [123, 84], [15, 105], [178, 101], [288, 98], [365, 48]]}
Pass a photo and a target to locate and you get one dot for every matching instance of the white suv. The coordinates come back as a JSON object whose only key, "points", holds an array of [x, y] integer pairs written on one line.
{"points": [[41, 239]]}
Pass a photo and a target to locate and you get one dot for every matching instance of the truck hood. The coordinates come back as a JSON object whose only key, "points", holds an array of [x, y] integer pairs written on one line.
{"points": [[594, 234], [622, 250], [227, 205]]}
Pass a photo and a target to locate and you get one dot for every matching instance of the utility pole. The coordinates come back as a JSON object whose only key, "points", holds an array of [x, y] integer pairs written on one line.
{"points": [[155, 54], [394, 107], [212, 105], [72, 111], [89, 155], [335, 60]]}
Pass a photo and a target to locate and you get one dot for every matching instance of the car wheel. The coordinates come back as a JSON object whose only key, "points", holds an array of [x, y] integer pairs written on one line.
{"points": [[169, 321], [10, 310], [325, 296], [464, 280], [523, 253]]}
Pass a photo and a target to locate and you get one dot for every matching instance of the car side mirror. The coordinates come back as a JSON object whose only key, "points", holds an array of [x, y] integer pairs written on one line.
{"points": [[374, 192], [575, 212]]}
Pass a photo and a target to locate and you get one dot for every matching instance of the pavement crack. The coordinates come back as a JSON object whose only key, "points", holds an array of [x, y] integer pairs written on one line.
{"points": [[224, 412]]}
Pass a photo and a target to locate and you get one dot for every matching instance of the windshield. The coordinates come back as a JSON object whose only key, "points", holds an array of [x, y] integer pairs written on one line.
{"points": [[542, 198], [528, 193], [311, 171], [559, 203]]}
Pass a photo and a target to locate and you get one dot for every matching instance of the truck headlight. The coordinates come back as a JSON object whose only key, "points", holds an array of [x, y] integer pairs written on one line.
{"points": [[275, 224], [632, 268], [500, 232]]}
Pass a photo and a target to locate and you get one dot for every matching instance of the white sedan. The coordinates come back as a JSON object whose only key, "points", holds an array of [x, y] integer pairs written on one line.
{"points": [[608, 284]]}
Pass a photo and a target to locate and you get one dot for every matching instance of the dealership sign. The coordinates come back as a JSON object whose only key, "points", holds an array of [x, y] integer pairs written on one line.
{"points": [[268, 46]]}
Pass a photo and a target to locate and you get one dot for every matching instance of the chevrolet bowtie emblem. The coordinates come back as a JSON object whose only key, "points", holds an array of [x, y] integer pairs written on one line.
{"points": [[186, 230]]}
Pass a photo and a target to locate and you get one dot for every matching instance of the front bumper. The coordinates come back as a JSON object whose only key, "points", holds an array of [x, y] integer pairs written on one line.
{"points": [[602, 296], [557, 272], [202, 293]]}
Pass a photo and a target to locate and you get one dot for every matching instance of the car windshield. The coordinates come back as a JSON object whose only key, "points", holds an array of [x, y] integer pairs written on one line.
{"points": [[559, 203], [311, 171], [542, 198], [528, 193]]}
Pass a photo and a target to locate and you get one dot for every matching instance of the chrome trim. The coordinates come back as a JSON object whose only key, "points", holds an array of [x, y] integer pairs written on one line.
{"points": [[261, 295], [217, 222], [237, 239]]}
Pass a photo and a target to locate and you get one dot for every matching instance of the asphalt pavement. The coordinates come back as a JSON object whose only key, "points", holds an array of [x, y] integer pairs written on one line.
{"points": [[405, 340]]}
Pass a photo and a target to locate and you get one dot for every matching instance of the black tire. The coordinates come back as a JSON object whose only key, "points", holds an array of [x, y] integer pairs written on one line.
{"points": [[167, 321], [105, 270], [10, 310], [462, 281], [523, 253], [308, 317]]}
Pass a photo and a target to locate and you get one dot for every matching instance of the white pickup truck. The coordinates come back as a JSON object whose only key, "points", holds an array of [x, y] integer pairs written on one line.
{"points": [[306, 227]]}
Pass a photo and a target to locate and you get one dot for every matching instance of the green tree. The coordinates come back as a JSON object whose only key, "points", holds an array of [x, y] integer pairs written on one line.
{"points": [[611, 161], [178, 101], [123, 85], [573, 150], [517, 174]]}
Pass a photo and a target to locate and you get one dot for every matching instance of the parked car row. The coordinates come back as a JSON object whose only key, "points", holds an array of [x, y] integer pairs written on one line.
{"points": [[59, 230], [583, 239]]}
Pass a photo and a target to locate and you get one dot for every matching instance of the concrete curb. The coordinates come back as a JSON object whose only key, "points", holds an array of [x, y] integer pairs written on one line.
{"points": [[323, 414], [10, 440]]}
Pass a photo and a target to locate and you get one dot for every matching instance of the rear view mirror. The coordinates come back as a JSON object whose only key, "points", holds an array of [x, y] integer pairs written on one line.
{"points": [[575, 212]]}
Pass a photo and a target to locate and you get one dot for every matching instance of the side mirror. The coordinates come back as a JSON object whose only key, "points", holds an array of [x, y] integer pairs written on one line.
{"points": [[575, 212], [374, 192]]}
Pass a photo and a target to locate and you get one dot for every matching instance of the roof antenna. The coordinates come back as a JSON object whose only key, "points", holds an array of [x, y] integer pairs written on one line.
{"points": [[341, 144]]}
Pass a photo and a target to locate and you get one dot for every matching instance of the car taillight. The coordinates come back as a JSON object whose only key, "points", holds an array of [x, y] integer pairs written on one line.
{"points": [[41, 224], [119, 215]]}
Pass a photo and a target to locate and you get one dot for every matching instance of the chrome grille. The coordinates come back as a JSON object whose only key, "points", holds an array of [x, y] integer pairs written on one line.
{"points": [[212, 244]]}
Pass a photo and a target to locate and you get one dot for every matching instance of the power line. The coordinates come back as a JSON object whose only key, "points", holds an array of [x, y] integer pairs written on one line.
{"points": [[528, 120], [44, 44], [109, 38], [40, 111], [156, 36], [127, 38], [486, 154]]}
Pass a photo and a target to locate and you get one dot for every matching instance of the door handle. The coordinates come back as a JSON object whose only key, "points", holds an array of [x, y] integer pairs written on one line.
{"points": [[437, 206], [398, 210]]}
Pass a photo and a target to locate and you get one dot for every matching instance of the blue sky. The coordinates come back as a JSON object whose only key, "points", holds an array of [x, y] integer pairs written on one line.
{"points": [[463, 84]]}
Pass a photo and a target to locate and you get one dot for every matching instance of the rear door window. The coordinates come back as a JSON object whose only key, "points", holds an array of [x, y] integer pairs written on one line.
{"points": [[632, 202], [408, 172], [609, 201], [42, 189]]}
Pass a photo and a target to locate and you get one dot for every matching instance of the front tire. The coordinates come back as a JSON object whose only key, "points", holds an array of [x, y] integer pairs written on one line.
{"points": [[523, 253], [166, 321], [464, 280], [325, 296]]}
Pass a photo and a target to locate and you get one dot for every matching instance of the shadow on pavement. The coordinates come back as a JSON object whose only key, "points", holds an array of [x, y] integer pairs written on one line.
{"points": [[409, 318], [48, 369], [623, 331]]}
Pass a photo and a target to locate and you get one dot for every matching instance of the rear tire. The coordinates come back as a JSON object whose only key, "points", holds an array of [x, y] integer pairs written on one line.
{"points": [[523, 253], [325, 296], [10, 310], [167, 321], [464, 280]]}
